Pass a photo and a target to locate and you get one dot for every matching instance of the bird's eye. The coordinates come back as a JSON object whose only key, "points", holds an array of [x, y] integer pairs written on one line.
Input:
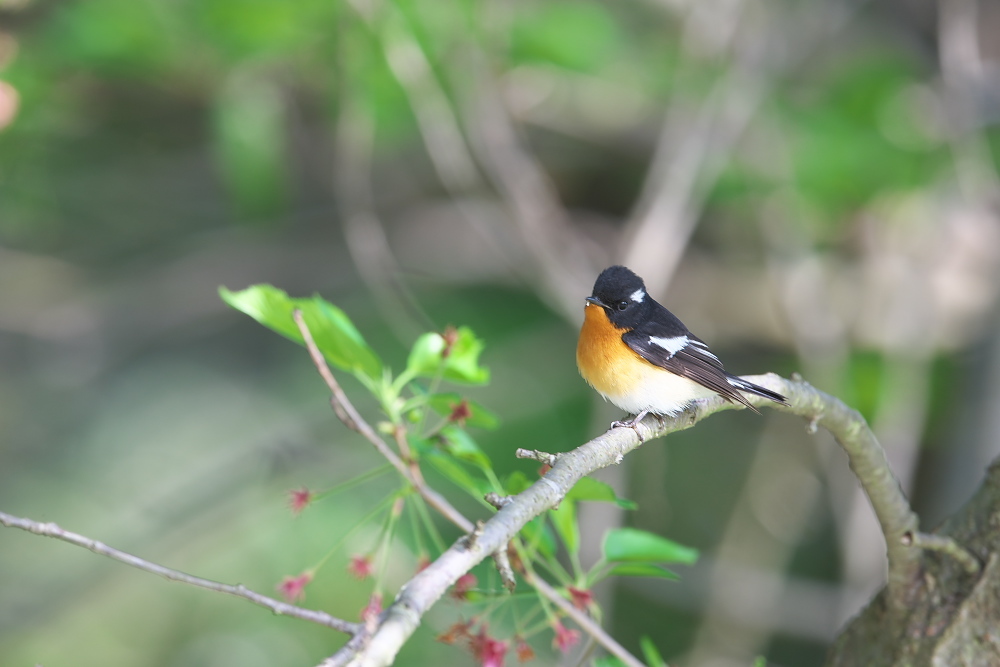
{"points": [[622, 305]]}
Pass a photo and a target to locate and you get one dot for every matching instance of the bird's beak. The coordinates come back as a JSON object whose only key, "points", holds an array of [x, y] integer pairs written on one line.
{"points": [[597, 302]]}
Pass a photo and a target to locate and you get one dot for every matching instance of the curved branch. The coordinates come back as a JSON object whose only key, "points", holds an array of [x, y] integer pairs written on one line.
{"points": [[847, 425]]}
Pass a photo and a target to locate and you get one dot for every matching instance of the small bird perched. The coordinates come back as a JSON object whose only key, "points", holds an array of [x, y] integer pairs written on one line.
{"points": [[640, 357]]}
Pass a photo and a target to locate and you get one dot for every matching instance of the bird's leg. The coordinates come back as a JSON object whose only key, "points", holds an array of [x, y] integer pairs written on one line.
{"points": [[632, 423]]}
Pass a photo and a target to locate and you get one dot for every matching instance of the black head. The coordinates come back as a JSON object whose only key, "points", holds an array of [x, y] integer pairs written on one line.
{"points": [[623, 296]]}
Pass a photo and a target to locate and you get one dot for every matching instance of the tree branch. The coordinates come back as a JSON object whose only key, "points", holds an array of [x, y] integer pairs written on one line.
{"points": [[240, 591], [849, 428]]}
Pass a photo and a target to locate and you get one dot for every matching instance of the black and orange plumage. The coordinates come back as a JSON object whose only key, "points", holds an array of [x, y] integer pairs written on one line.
{"points": [[643, 359]]}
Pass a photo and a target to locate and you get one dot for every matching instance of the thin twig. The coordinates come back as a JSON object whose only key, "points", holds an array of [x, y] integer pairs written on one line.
{"points": [[354, 421], [240, 591], [506, 572], [586, 623], [534, 454], [945, 545], [497, 500]]}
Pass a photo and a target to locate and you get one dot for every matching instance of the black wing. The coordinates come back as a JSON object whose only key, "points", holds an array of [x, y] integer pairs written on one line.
{"points": [[665, 342]]}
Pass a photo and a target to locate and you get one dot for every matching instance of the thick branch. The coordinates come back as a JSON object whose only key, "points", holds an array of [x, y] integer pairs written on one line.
{"points": [[240, 591], [847, 426]]}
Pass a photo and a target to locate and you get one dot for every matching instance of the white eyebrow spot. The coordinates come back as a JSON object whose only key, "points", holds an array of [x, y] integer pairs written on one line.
{"points": [[638, 295], [671, 345]]}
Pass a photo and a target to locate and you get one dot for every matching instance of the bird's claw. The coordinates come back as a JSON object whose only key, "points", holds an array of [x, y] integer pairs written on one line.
{"points": [[634, 423]]}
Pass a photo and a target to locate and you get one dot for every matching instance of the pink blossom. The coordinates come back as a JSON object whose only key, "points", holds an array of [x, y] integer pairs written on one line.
{"points": [[582, 599], [299, 498], [460, 412], [487, 650], [293, 588], [565, 638]]}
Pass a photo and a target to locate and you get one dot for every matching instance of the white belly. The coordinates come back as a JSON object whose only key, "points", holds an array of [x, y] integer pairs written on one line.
{"points": [[659, 392]]}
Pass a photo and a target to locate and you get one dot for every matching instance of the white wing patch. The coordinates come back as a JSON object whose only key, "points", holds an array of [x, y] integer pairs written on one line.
{"points": [[638, 295], [671, 345]]}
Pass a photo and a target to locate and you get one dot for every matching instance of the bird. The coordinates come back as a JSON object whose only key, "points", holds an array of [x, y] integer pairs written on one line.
{"points": [[641, 358]]}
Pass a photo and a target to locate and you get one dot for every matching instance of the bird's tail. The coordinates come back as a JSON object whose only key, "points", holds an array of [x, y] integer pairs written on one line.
{"points": [[752, 388]]}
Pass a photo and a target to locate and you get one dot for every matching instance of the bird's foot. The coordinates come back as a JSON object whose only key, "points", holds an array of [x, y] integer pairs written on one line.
{"points": [[631, 423]]}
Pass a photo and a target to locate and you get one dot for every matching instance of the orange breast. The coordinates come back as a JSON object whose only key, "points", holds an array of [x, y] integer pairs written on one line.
{"points": [[605, 361]]}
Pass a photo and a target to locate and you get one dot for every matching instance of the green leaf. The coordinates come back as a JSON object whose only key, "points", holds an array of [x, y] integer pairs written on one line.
{"points": [[335, 335], [651, 653], [459, 362], [564, 520], [516, 482], [538, 535], [632, 544], [480, 417], [642, 570], [461, 445], [608, 661], [589, 488], [459, 476]]}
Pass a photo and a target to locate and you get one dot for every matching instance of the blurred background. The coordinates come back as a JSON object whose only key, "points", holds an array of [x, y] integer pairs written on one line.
{"points": [[810, 186]]}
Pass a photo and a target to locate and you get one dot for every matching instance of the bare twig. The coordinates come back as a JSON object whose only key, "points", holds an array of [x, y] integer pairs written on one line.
{"points": [[240, 591], [497, 500], [534, 454], [945, 545], [586, 623], [506, 572]]}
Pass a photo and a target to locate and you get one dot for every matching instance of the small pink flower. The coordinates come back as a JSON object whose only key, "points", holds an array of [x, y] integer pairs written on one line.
{"points": [[361, 567], [293, 588], [565, 638], [582, 599], [373, 608], [463, 585], [460, 412], [488, 651], [493, 653], [299, 498]]}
